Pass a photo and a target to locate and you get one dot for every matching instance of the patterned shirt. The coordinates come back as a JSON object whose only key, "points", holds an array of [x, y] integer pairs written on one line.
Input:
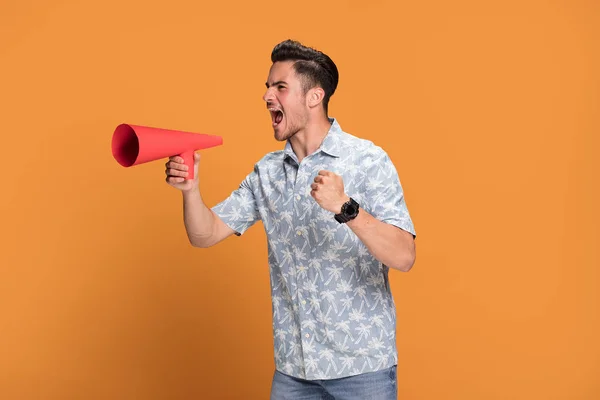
{"points": [[333, 311]]}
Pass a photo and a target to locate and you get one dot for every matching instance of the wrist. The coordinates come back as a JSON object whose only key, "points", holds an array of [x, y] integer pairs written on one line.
{"points": [[343, 201], [193, 192], [348, 211]]}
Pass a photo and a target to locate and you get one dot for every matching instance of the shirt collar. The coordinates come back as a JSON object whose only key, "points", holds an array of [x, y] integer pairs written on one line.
{"points": [[330, 145]]}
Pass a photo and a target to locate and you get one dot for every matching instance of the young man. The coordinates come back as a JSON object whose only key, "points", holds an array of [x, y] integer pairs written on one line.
{"points": [[336, 220]]}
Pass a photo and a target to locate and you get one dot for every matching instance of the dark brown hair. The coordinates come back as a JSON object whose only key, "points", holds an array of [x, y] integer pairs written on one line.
{"points": [[313, 66]]}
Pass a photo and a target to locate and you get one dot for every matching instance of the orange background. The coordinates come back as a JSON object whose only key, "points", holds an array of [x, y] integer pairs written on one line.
{"points": [[489, 111]]}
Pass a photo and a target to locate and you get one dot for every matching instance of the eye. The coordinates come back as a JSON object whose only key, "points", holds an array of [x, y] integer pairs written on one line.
{"points": [[280, 87]]}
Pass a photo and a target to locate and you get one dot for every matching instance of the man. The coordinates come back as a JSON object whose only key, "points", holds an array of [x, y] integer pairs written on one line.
{"points": [[336, 220]]}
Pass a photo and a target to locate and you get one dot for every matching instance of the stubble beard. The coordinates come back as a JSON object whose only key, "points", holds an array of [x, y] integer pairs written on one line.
{"points": [[291, 128], [286, 135]]}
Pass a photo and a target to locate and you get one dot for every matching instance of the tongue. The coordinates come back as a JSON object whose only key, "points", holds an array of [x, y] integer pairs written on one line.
{"points": [[278, 117]]}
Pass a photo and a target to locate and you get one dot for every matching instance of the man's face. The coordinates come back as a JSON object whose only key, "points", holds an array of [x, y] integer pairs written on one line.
{"points": [[285, 100]]}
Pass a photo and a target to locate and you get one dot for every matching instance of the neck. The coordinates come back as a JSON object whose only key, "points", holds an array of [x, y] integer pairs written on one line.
{"points": [[309, 139]]}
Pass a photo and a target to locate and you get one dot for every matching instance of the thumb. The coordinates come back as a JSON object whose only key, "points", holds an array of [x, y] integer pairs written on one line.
{"points": [[196, 157]]}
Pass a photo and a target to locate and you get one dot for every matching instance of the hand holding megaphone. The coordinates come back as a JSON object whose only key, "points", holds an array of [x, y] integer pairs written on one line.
{"points": [[134, 144], [177, 173]]}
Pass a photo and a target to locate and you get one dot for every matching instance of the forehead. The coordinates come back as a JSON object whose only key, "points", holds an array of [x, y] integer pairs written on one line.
{"points": [[282, 71]]}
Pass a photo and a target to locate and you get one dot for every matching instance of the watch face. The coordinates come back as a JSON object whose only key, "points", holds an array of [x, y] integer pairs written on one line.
{"points": [[350, 209]]}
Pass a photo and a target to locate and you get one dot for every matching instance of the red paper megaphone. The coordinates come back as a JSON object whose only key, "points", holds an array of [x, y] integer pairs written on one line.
{"points": [[133, 145]]}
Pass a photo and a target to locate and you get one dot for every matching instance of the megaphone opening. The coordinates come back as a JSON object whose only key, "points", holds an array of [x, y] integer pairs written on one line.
{"points": [[125, 145]]}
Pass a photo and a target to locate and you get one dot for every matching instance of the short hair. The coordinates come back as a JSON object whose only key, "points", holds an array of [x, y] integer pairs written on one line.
{"points": [[314, 67]]}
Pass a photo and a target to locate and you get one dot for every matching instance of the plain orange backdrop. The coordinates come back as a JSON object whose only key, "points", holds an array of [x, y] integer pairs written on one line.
{"points": [[489, 111]]}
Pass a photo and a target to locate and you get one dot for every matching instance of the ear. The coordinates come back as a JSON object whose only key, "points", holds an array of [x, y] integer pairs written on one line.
{"points": [[315, 96]]}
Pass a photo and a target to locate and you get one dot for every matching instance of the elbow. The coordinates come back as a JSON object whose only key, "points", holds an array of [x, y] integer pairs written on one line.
{"points": [[405, 262], [405, 255], [201, 243], [406, 265]]}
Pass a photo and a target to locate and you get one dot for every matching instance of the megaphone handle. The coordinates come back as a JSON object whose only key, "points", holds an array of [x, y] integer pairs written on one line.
{"points": [[188, 159]]}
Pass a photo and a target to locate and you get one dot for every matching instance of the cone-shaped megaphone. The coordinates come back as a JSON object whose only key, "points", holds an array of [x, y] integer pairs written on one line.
{"points": [[134, 144]]}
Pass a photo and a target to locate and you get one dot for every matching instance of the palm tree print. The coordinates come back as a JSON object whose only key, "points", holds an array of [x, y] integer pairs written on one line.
{"points": [[333, 314]]}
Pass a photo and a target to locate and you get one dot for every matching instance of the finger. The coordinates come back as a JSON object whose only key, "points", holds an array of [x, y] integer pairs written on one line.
{"points": [[314, 186], [175, 165], [324, 172], [175, 172], [171, 179], [196, 156], [319, 178]]}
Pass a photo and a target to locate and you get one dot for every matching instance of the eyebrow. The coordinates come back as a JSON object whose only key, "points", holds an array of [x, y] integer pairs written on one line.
{"points": [[275, 83]]}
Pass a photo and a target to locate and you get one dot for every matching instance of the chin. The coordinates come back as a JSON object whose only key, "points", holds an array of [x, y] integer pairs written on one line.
{"points": [[282, 136]]}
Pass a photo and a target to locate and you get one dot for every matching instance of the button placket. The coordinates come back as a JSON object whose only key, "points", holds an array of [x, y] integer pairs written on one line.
{"points": [[300, 240]]}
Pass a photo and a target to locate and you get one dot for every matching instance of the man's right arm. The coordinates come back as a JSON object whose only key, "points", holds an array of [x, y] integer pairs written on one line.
{"points": [[204, 228]]}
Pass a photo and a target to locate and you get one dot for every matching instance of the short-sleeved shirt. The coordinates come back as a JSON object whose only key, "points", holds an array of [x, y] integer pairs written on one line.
{"points": [[333, 311]]}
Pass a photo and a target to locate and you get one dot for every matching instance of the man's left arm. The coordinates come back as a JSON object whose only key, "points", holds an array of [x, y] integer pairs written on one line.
{"points": [[389, 235], [389, 244]]}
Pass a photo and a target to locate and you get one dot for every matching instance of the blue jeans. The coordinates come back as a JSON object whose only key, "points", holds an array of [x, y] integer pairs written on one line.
{"points": [[380, 385]]}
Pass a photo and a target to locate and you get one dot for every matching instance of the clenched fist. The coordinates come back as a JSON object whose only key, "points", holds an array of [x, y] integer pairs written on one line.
{"points": [[328, 191]]}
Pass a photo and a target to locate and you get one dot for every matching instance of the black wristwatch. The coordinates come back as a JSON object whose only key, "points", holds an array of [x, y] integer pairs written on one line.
{"points": [[349, 211]]}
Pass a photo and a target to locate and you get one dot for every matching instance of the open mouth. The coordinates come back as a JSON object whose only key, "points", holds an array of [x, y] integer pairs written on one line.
{"points": [[276, 116]]}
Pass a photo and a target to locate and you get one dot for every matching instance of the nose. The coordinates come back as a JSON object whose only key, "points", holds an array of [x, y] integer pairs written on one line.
{"points": [[268, 96]]}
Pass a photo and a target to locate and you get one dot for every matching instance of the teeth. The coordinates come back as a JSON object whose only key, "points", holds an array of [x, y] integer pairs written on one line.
{"points": [[274, 112]]}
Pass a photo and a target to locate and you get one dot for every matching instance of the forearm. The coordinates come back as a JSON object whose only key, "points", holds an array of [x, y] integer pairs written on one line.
{"points": [[387, 243], [199, 220]]}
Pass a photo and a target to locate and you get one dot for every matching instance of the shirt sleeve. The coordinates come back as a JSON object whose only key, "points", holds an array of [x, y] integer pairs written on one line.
{"points": [[239, 211], [385, 195]]}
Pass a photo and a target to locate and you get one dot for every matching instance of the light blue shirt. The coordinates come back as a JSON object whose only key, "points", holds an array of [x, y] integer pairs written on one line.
{"points": [[333, 311]]}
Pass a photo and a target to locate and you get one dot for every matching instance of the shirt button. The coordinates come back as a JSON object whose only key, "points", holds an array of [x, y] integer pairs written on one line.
{"points": [[303, 302], [307, 335], [298, 233], [297, 197]]}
